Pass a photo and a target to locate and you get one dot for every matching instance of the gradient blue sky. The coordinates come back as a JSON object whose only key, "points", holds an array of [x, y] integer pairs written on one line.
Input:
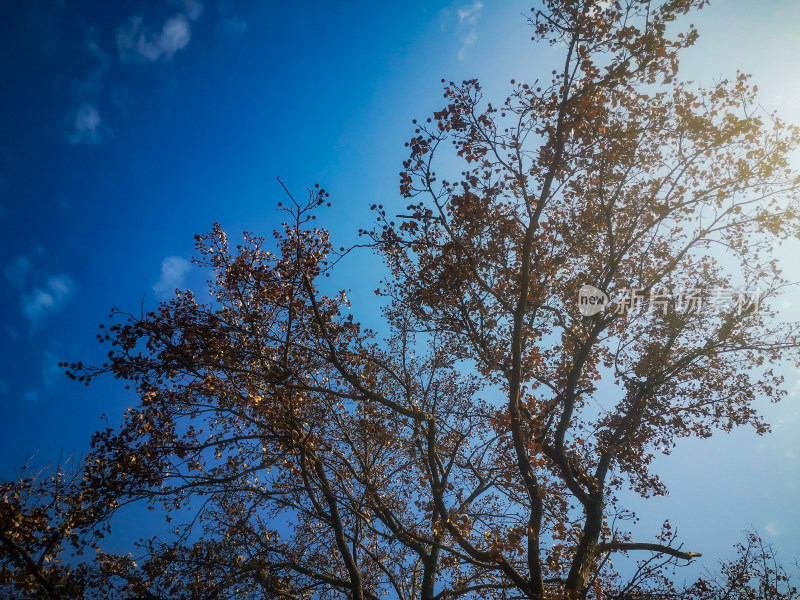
{"points": [[126, 127]]}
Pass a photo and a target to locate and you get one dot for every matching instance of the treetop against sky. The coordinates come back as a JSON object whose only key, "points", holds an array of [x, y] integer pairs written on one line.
{"points": [[129, 127]]}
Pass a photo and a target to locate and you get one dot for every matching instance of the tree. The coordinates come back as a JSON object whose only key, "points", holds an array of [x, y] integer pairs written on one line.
{"points": [[484, 445], [755, 574]]}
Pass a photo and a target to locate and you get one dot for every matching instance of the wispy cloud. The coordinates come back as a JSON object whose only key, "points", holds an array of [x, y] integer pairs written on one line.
{"points": [[795, 391], [84, 123], [51, 372], [92, 46], [231, 24], [193, 9], [468, 26], [138, 42], [773, 529], [17, 270], [145, 37], [49, 299], [87, 125], [173, 271]]}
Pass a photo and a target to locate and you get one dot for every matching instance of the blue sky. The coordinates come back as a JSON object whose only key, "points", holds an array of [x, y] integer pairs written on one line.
{"points": [[127, 127]]}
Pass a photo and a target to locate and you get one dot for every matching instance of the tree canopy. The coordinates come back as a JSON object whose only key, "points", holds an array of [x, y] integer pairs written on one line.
{"points": [[483, 444]]}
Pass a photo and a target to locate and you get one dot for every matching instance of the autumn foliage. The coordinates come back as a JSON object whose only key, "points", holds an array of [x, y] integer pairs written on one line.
{"points": [[482, 445]]}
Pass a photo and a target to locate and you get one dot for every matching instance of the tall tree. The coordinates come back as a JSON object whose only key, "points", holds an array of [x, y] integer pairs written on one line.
{"points": [[484, 446]]}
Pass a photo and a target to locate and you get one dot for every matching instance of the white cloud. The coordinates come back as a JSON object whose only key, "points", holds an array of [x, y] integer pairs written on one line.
{"points": [[469, 15], [173, 271], [467, 26], [138, 42], [57, 292], [87, 125], [193, 9], [772, 529]]}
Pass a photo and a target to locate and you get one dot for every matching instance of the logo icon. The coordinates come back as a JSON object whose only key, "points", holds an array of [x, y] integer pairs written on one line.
{"points": [[591, 300]]}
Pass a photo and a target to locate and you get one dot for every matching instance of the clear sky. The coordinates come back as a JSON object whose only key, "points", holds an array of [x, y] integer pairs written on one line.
{"points": [[126, 127]]}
